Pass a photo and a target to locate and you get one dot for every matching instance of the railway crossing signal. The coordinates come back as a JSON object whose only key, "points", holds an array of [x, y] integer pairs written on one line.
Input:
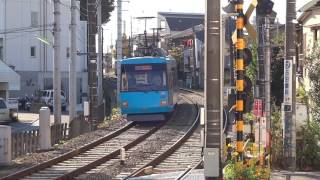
{"points": [[251, 31], [264, 7]]}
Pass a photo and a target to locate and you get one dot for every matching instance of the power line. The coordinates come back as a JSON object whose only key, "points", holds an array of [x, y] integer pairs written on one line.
{"points": [[23, 29]]}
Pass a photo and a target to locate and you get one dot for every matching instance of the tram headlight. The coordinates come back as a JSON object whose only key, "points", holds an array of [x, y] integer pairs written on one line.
{"points": [[125, 104], [163, 102]]}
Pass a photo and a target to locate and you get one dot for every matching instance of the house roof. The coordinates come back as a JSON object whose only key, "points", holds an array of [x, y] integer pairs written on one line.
{"points": [[182, 21], [181, 14], [7, 75], [307, 9], [309, 6]]}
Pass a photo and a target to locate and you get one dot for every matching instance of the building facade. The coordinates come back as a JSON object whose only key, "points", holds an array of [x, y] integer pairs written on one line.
{"points": [[185, 31], [25, 27], [308, 35]]}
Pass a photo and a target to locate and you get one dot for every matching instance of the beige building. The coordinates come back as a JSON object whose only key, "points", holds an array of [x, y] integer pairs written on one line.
{"points": [[308, 34]]}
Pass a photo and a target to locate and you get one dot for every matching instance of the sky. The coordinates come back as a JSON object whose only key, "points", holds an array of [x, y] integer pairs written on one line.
{"points": [[136, 8]]}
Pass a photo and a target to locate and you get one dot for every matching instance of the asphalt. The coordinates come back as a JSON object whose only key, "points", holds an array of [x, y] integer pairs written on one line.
{"points": [[30, 121]]}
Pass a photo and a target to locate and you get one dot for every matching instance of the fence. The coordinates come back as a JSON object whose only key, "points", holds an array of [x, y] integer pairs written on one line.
{"points": [[59, 132], [28, 141], [24, 142]]}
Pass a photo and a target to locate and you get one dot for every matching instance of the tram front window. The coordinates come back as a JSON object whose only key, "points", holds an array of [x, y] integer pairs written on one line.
{"points": [[145, 77]]}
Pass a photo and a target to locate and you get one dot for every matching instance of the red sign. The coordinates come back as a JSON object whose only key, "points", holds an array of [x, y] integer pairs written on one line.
{"points": [[257, 108], [188, 42]]}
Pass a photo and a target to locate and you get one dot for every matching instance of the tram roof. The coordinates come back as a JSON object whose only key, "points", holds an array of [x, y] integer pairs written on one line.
{"points": [[144, 60]]}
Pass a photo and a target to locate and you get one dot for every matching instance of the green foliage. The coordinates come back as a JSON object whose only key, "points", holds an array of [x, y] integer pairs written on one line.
{"points": [[308, 148], [251, 70], [107, 6], [278, 40], [277, 67], [177, 53], [277, 71], [114, 116], [277, 139], [248, 171], [302, 95], [313, 66]]}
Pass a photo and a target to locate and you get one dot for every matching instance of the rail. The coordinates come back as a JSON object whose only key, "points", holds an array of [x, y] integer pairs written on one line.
{"points": [[39, 167], [171, 150], [187, 172]]}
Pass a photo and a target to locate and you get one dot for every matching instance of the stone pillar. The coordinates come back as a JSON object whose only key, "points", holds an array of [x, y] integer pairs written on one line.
{"points": [[45, 130], [5, 145]]}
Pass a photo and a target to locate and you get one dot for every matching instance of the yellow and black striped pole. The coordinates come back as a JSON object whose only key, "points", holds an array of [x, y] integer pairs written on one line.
{"points": [[240, 70]]}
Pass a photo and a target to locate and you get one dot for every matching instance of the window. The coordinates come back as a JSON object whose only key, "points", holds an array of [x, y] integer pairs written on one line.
{"points": [[33, 51], [143, 77], [68, 52], [34, 19], [1, 48], [3, 105], [162, 24]]}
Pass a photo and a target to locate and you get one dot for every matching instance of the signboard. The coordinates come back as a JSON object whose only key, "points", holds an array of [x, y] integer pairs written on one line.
{"points": [[261, 134], [257, 107], [287, 94]]}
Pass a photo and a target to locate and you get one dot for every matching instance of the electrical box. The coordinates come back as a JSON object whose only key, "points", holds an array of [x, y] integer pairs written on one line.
{"points": [[5, 145], [86, 111], [211, 162]]}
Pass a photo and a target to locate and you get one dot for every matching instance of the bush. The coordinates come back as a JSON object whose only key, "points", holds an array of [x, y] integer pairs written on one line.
{"points": [[308, 147], [248, 171]]}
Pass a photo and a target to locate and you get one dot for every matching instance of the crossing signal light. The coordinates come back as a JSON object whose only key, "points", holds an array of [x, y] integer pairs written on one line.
{"points": [[264, 7]]}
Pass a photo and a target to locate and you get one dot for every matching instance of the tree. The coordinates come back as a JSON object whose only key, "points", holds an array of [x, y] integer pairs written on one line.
{"points": [[107, 6], [277, 68], [313, 67]]}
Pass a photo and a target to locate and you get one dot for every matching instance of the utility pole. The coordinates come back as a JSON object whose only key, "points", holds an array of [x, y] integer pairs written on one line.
{"points": [[260, 88], [267, 69], [72, 65], [92, 61], [56, 63], [100, 53], [289, 98], [213, 91], [119, 46]]}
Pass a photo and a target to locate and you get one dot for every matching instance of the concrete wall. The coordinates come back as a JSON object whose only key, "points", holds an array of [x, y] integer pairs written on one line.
{"points": [[32, 81]]}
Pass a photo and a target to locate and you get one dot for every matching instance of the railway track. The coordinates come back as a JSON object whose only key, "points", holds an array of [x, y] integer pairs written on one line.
{"points": [[184, 155], [103, 152], [87, 157], [113, 169]]}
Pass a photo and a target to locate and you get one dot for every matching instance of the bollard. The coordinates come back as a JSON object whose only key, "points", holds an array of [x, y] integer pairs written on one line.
{"points": [[122, 156], [45, 128], [5, 145], [202, 116]]}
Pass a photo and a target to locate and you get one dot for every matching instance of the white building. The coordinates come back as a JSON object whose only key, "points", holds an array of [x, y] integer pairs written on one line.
{"points": [[22, 23]]}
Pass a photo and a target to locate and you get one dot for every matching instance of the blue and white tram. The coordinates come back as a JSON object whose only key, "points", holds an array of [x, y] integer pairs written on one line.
{"points": [[148, 87]]}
